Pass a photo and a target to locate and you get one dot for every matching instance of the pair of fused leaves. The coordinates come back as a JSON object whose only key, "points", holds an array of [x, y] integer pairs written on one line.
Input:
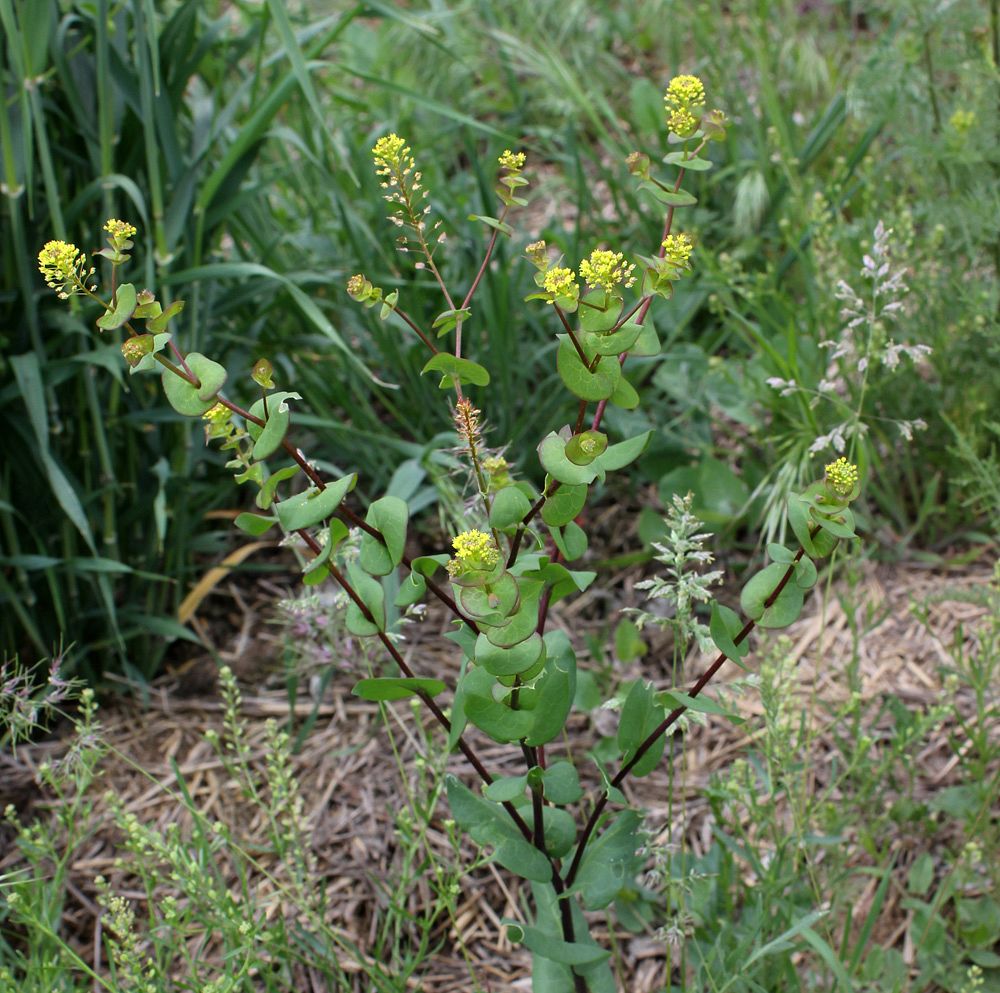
{"points": [[773, 598], [562, 461], [530, 706]]}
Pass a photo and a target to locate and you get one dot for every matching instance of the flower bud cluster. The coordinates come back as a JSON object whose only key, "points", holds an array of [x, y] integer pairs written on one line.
{"points": [[607, 270], [64, 268], [474, 551]]}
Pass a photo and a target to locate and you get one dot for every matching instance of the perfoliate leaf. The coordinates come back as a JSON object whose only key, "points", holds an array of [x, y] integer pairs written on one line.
{"points": [[785, 609], [125, 303], [598, 384]]}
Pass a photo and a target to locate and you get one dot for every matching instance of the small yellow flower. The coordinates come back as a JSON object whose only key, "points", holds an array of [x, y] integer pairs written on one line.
{"points": [[677, 250], [512, 161], [685, 91], [962, 121], [63, 267], [684, 101], [389, 152], [682, 122], [842, 476], [560, 282], [494, 464], [120, 230], [606, 270], [473, 550]]}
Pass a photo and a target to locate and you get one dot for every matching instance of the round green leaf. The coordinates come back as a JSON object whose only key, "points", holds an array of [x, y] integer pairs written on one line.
{"points": [[492, 603], [579, 380], [500, 661], [389, 516], [562, 506], [510, 507], [552, 455], [268, 439], [785, 609], [314, 505], [125, 304]]}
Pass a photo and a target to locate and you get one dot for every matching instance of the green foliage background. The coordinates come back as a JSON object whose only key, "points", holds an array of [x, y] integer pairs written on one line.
{"points": [[236, 136]]}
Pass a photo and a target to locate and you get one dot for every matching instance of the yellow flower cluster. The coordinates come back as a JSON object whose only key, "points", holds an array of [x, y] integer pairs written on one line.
{"points": [[559, 281], [684, 101], [473, 550], [495, 464], [64, 268], [217, 413], [606, 270], [389, 152], [120, 230], [842, 476], [962, 121], [512, 161], [677, 250]]}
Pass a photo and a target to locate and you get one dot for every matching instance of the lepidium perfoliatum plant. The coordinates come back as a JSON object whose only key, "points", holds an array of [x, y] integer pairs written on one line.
{"points": [[515, 557]]}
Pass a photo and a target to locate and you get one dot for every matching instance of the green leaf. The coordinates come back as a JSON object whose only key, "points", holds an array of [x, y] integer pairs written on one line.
{"points": [[314, 505], [555, 689], [564, 952], [616, 343], [694, 163], [840, 526], [508, 661], [552, 455], [561, 784], [570, 540], [594, 316], [606, 866], [372, 595], [779, 553], [268, 439], [629, 645], [266, 495], [464, 370], [625, 395], [158, 322], [336, 533], [125, 302], [493, 602], [396, 688], [579, 380], [700, 704], [510, 507], [805, 573], [506, 789], [620, 455], [724, 627], [389, 516], [190, 400], [562, 506], [640, 716], [254, 524], [488, 824], [785, 609], [492, 222], [669, 198], [492, 717], [522, 623]]}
